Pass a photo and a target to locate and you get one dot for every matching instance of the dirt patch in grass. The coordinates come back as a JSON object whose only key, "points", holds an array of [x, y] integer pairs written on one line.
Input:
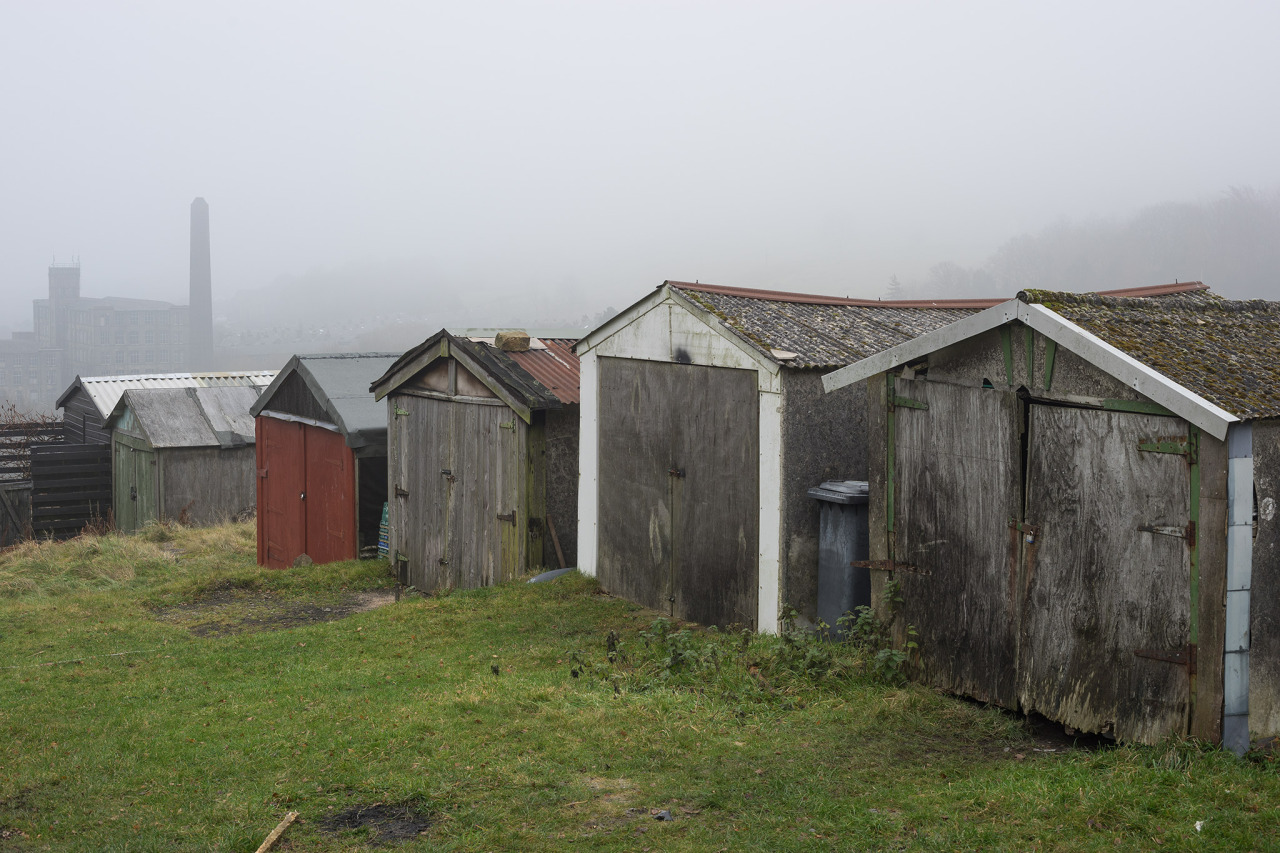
{"points": [[385, 824], [224, 611]]}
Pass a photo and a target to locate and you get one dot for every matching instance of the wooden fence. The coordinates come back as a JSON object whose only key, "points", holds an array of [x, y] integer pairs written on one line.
{"points": [[15, 512], [16, 441], [70, 487]]}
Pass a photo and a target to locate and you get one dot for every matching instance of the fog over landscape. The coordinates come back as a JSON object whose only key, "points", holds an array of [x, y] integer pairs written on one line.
{"points": [[511, 163]]}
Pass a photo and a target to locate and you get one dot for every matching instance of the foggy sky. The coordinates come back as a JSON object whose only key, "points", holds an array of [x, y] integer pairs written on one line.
{"points": [[581, 153]]}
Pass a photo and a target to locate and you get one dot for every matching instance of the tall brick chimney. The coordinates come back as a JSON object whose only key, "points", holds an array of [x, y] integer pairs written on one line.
{"points": [[200, 340]]}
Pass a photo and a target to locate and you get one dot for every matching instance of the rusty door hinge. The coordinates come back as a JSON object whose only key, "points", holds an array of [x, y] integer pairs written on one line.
{"points": [[889, 566], [676, 472], [1182, 657], [507, 425], [448, 475], [401, 492], [262, 473], [509, 517], [1168, 530]]}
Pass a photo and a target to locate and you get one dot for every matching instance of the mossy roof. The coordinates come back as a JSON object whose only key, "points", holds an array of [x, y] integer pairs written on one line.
{"points": [[1227, 352], [821, 336]]}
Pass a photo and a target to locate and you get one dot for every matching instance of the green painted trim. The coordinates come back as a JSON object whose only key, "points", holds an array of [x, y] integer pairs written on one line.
{"points": [[1193, 441], [908, 403], [1031, 356], [1006, 343], [1139, 407], [1050, 350]]}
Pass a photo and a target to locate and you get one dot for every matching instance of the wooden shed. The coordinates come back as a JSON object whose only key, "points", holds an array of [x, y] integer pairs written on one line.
{"points": [[182, 454], [1076, 496], [704, 425], [321, 459], [89, 400], [483, 459]]}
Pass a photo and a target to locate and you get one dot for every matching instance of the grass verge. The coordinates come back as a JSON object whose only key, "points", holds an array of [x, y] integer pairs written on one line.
{"points": [[524, 717]]}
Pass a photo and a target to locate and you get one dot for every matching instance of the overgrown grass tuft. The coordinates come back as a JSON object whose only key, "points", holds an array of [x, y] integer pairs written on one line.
{"points": [[86, 562]]}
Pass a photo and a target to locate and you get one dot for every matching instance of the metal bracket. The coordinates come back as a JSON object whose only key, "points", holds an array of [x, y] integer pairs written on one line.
{"points": [[401, 492], [399, 411], [676, 472], [889, 566], [507, 516], [1167, 530], [507, 425], [1182, 657], [1166, 444], [907, 403]]}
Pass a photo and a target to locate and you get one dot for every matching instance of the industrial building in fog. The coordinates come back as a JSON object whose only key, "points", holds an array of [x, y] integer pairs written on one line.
{"points": [[109, 336]]}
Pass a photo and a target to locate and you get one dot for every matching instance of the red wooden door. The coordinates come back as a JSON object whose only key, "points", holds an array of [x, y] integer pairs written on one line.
{"points": [[281, 483], [330, 514]]}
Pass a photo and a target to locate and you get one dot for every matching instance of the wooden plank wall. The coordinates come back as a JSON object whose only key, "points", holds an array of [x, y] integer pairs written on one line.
{"points": [[207, 485], [15, 512], [70, 486]]}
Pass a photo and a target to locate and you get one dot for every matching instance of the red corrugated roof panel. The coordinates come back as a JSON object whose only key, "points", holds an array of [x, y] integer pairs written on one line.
{"points": [[556, 367]]}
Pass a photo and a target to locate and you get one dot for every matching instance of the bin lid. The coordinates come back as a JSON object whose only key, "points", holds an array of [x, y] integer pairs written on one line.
{"points": [[841, 491]]}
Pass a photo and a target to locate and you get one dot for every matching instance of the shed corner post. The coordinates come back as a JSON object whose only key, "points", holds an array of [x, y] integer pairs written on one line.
{"points": [[768, 601], [588, 463], [1235, 670]]}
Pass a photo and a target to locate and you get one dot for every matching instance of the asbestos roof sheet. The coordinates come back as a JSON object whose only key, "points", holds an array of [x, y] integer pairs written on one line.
{"points": [[105, 391], [340, 384], [814, 331], [189, 417], [1227, 352]]}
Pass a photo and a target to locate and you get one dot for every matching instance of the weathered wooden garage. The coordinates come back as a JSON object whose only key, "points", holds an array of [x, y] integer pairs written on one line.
{"points": [[321, 459], [1076, 496], [182, 454], [483, 459], [704, 425]]}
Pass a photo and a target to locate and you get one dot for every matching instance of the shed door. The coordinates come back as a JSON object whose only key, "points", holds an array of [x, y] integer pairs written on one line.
{"points": [[134, 483], [956, 452], [281, 483], [1108, 594], [679, 488], [330, 513], [460, 492]]}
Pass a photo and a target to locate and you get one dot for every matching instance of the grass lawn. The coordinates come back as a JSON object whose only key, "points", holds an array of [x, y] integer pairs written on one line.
{"points": [[162, 693]]}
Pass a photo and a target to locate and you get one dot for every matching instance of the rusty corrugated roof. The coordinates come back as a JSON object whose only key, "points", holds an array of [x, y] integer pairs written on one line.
{"points": [[556, 367], [828, 331], [1227, 352]]}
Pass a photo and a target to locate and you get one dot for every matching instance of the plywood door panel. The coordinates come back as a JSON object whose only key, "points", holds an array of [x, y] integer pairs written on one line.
{"points": [[1098, 588], [679, 491], [423, 438], [281, 483], [716, 495], [635, 490], [330, 499], [957, 487]]}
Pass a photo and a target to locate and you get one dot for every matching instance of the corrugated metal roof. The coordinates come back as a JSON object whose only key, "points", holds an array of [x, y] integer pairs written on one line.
{"points": [[1227, 352], [827, 332], [340, 384], [545, 376], [556, 367], [190, 417], [105, 391]]}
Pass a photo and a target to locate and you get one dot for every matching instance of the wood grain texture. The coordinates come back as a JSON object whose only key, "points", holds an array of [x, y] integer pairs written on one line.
{"points": [[1264, 617], [1097, 588], [957, 487], [679, 494]]}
